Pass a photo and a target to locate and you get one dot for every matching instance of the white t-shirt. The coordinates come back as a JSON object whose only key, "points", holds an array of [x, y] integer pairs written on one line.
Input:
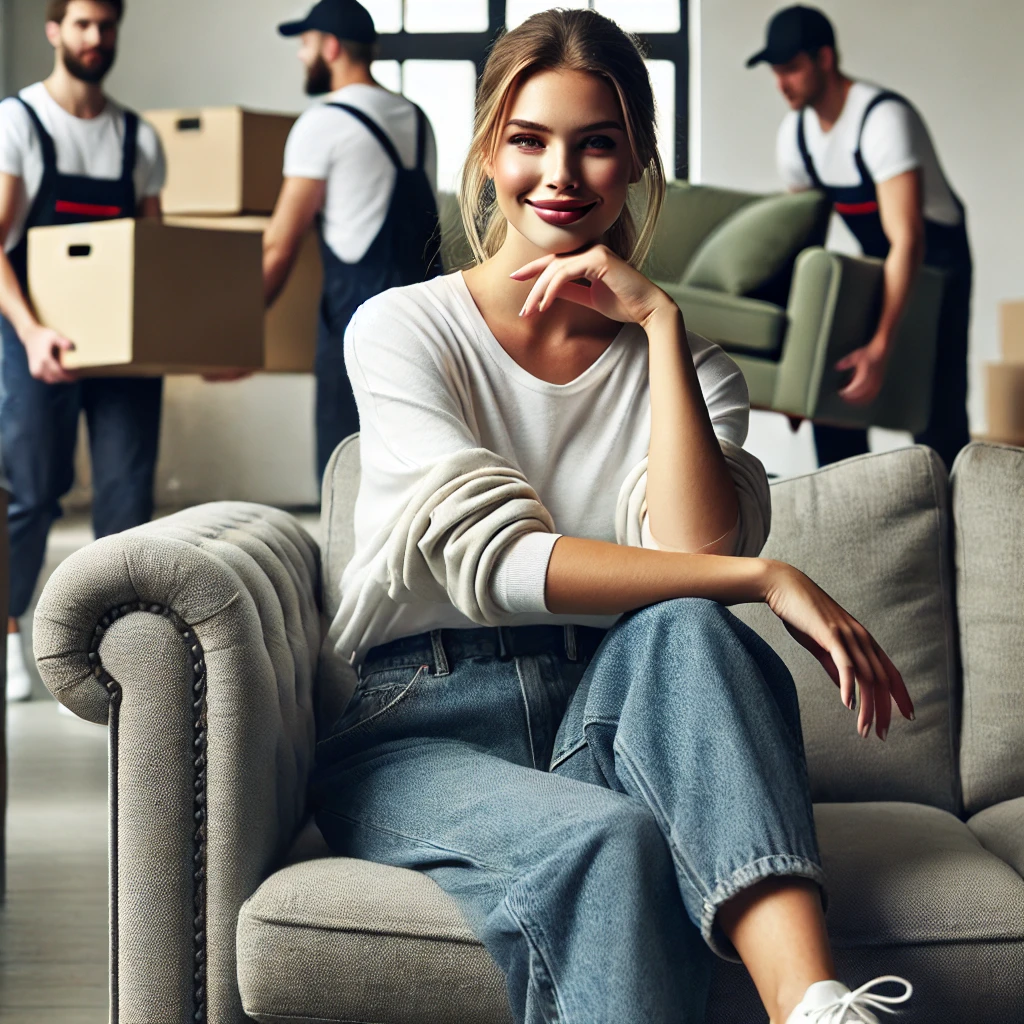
{"points": [[333, 146], [431, 380], [91, 147], [895, 140]]}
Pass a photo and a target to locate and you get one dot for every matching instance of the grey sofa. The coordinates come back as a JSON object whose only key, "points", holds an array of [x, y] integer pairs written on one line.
{"points": [[196, 638]]}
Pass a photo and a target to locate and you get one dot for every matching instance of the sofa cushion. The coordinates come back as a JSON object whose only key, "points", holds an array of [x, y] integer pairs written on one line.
{"points": [[1000, 829], [757, 243], [732, 321], [874, 533], [988, 510], [346, 940]]}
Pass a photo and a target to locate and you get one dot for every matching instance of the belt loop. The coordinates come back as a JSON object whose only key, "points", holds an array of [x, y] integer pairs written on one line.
{"points": [[570, 642], [440, 658]]}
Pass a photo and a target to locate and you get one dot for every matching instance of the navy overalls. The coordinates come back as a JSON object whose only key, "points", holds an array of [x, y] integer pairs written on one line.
{"points": [[39, 422], [947, 248], [405, 250]]}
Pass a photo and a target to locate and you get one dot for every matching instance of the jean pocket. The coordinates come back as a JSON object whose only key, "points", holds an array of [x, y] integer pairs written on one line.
{"points": [[377, 696]]}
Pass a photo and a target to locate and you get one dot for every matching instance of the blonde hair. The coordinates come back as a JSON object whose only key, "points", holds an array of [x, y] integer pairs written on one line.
{"points": [[565, 40]]}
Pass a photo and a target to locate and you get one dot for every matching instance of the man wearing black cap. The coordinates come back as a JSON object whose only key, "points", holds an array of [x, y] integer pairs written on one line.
{"points": [[870, 151], [362, 165]]}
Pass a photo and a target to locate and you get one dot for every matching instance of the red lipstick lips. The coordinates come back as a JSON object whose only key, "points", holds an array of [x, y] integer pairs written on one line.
{"points": [[561, 212]]}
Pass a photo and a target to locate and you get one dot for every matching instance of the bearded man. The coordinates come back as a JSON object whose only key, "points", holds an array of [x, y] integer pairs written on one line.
{"points": [[68, 154]]}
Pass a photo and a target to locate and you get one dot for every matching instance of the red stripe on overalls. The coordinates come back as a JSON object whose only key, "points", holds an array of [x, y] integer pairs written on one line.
{"points": [[857, 208], [87, 209]]}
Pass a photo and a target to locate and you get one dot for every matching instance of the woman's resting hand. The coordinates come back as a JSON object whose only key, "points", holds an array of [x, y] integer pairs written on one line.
{"points": [[846, 650]]}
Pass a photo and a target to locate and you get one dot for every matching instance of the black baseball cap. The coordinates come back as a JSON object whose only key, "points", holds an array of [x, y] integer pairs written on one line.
{"points": [[794, 30], [344, 19]]}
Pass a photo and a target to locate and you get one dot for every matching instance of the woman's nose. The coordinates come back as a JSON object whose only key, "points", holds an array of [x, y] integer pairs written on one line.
{"points": [[560, 170]]}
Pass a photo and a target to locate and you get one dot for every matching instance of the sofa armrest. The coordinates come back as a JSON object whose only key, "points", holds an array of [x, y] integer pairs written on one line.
{"points": [[833, 309], [196, 637]]}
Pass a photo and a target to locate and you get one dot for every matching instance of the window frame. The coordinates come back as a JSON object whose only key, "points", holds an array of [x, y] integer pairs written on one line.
{"points": [[474, 46]]}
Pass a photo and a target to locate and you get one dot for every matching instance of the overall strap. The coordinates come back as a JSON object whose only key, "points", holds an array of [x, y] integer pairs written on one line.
{"points": [[131, 135], [421, 138], [45, 139], [805, 153], [885, 96], [386, 144]]}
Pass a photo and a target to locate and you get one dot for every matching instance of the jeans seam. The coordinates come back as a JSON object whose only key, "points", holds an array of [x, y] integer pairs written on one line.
{"points": [[526, 930], [640, 781], [526, 712]]}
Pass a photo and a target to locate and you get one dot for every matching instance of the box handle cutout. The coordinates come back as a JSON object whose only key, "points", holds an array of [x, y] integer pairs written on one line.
{"points": [[189, 124], [79, 250]]}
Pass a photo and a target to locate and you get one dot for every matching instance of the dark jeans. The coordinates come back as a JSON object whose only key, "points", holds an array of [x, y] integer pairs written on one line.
{"points": [[38, 431], [947, 430]]}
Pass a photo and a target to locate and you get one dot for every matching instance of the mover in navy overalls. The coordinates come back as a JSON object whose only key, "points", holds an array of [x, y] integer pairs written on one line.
{"points": [[869, 151], [40, 402], [340, 162]]}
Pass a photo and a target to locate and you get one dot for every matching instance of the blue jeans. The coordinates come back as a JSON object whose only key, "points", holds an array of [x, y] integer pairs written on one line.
{"points": [[38, 433], [590, 816]]}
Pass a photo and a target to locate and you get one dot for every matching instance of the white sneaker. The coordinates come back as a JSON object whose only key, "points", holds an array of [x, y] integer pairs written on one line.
{"points": [[831, 1002], [19, 682]]}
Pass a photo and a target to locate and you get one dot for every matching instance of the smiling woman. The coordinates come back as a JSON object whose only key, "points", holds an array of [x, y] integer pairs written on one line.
{"points": [[556, 717]]}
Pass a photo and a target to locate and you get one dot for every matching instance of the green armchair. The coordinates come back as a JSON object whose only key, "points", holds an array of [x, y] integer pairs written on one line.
{"points": [[788, 333]]}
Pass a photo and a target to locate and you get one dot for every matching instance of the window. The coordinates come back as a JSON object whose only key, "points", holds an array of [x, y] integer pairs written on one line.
{"points": [[434, 51]]}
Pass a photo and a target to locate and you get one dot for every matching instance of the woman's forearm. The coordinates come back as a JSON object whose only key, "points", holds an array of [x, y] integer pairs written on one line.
{"points": [[592, 577], [691, 498]]}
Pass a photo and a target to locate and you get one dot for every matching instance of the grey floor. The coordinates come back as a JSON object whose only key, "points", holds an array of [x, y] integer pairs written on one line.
{"points": [[53, 925]]}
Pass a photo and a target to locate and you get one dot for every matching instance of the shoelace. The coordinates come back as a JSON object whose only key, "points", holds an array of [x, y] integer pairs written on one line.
{"points": [[859, 1001]]}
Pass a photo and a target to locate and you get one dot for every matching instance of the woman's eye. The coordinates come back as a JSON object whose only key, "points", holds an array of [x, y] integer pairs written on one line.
{"points": [[525, 141], [599, 142]]}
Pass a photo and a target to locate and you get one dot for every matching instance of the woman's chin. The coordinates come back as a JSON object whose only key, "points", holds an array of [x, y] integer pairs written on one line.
{"points": [[556, 241]]}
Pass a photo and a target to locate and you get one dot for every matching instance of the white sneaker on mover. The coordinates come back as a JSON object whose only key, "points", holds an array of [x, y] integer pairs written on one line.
{"points": [[831, 1002], [19, 682]]}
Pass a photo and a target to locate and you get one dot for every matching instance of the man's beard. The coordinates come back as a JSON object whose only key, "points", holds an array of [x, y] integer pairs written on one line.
{"points": [[318, 78], [92, 74]]}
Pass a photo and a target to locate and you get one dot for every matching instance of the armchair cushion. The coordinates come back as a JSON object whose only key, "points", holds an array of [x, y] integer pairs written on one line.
{"points": [[732, 321], [758, 242]]}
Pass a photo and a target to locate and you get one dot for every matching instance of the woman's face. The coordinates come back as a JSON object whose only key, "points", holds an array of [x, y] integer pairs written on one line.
{"points": [[563, 164]]}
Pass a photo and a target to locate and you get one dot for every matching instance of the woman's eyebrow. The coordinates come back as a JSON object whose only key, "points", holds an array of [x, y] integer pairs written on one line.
{"points": [[534, 126]]}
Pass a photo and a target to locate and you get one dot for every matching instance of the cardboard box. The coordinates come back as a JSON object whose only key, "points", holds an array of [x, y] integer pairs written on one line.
{"points": [[1011, 330], [221, 160], [1005, 390], [291, 324], [140, 298]]}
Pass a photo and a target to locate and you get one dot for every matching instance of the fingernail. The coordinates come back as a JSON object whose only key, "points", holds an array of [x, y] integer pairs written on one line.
{"points": [[522, 312], [913, 717], [852, 703], [865, 731], [883, 732]]}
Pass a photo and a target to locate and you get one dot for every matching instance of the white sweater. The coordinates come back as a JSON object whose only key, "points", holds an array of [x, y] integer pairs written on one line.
{"points": [[472, 467]]}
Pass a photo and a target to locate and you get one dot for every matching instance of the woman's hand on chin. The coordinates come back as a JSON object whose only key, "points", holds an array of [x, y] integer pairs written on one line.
{"points": [[613, 288]]}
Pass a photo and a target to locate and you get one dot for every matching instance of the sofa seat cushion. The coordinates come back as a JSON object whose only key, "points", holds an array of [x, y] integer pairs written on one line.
{"points": [[907, 874], [337, 939], [734, 322], [1001, 831]]}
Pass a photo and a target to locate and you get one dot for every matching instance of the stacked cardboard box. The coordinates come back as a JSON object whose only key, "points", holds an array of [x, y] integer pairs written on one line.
{"points": [[1005, 381], [185, 296]]}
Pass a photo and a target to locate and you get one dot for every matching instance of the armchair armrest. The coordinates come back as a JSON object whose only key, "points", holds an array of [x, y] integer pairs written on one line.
{"points": [[196, 637], [833, 308]]}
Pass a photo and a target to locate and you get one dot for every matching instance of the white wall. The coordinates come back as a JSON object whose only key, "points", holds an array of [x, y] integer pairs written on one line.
{"points": [[958, 62], [251, 440]]}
